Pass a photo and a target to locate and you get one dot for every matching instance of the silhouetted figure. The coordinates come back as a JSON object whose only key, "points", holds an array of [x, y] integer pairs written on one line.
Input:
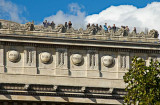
{"points": [[97, 28], [127, 29], [32, 26], [123, 27], [134, 30], [65, 25], [69, 24], [52, 25], [114, 28], [100, 27], [123, 31], [93, 25], [45, 23], [93, 28], [88, 25]]}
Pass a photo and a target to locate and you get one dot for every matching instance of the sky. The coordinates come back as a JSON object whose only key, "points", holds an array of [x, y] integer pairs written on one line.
{"points": [[143, 14]]}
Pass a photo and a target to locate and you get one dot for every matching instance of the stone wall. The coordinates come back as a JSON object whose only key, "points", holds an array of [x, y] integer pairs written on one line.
{"points": [[77, 63], [33, 62], [69, 65]]}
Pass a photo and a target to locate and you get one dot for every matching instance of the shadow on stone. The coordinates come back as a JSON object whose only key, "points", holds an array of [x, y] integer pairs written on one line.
{"points": [[8, 96]]}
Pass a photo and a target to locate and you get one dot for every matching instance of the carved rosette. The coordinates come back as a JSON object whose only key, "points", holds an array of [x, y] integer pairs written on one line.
{"points": [[107, 61], [77, 59], [45, 57], [13, 56]]}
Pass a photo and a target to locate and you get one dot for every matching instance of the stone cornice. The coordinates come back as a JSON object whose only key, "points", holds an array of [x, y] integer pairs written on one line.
{"points": [[65, 91], [77, 42]]}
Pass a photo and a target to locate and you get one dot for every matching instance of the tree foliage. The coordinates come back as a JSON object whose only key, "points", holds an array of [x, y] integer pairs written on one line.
{"points": [[143, 83]]}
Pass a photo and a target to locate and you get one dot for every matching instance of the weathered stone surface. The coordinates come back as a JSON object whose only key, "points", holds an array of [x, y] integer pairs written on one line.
{"points": [[153, 33], [92, 32], [13, 56], [45, 57], [107, 61], [77, 59], [70, 58]]}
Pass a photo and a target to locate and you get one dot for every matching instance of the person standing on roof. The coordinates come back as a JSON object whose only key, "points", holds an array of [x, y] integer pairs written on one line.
{"points": [[69, 24], [45, 24], [114, 28], [105, 27]]}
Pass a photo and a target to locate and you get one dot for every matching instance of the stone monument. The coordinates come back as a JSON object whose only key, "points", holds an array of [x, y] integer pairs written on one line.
{"points": [[49, 66]]}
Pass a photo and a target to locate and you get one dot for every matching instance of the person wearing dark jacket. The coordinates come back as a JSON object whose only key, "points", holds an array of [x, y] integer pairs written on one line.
{"points": [[32, 26], [114, 28], [134, 30], [97, 28], [45, 24], [65, 25], [52, 25], [88, 25]]}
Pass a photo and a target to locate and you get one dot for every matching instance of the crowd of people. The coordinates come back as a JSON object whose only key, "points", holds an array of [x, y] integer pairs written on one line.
{"points": [[46, 24], [97, 27], [94, 29], [52, 24], [109, 28]]}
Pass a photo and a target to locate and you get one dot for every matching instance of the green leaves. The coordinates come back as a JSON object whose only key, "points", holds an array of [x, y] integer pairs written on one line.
{"points": [[143, 83]]}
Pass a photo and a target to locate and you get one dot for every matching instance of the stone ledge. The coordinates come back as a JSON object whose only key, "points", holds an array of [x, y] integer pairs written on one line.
{"points": [[86, 95], [64, 100], [35, 41], [11, 87]]}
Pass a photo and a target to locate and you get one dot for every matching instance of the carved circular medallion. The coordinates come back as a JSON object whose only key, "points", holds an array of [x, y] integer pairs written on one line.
{"points": [[77, 59], [107, 61], [13, 56], [45, 57]]}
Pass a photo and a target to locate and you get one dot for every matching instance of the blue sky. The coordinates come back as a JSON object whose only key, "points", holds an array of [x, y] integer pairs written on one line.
{"points": [[38, 9], [139, 13]]}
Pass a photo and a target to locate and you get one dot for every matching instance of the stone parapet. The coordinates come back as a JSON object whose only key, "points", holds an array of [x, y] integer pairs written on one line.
{"points": [[9, 27], [48, 66]]}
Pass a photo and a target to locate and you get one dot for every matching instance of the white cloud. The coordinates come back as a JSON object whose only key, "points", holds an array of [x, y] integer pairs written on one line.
{"points": [[77, 17], [147, 17], [127, 15], [10, 11]]}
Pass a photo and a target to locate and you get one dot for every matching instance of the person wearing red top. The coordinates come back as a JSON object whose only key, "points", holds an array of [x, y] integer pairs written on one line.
{"points": [[69, 24]]}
